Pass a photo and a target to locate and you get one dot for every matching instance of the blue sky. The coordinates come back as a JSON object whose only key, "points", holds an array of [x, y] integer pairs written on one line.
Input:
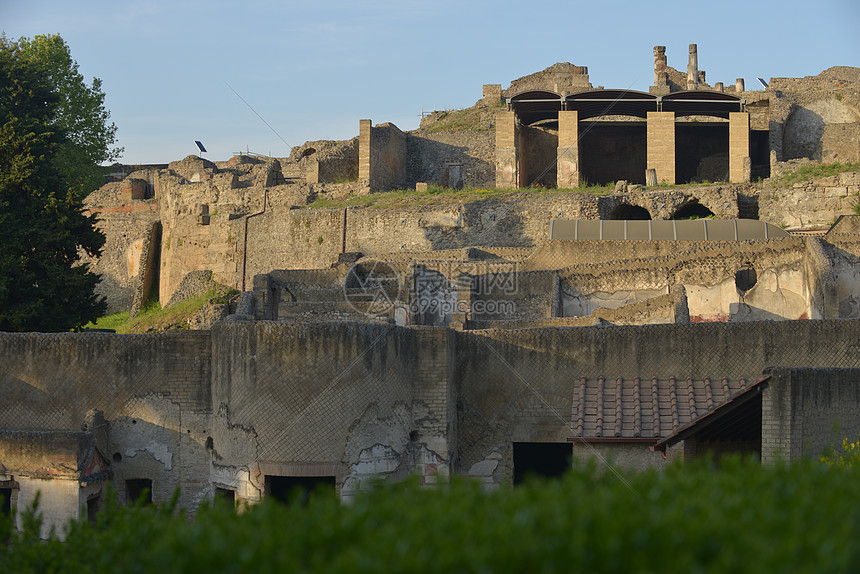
{"points": [[313, 69]]}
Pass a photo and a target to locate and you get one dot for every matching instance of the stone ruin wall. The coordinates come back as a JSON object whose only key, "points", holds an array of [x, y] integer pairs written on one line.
{"points": [[226, 408], [283, 237], [203, 206]]}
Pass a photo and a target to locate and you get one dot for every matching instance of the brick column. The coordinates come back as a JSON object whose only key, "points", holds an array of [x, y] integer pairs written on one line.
{"points": [[781, 418], [661, 145], [506, 150], [434, 433], [568, 149], [364, 128], [739, 147]]}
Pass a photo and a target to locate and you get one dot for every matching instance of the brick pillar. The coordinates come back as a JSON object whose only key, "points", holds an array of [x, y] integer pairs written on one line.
{"points": [[568, 149], [434, 404], [364, 128], [739, 147], [506, 150], [661, 145], [781, 418]]}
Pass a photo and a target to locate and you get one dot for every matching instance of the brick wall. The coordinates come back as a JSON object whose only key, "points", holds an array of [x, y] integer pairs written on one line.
{"points": [[661, 145], [807, 411], [739, 147]]}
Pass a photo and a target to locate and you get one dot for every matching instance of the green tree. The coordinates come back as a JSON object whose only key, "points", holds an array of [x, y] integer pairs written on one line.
{"points": [[43, 230], [80, 113]]}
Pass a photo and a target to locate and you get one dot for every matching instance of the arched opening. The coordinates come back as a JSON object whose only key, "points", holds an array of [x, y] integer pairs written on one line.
{"points": [[627, 211], [308, 152], [693, 210], [745, 279]]}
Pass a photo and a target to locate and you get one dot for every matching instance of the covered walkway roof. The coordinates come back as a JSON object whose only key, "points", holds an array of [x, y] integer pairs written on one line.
{"points": [[536, 106]]}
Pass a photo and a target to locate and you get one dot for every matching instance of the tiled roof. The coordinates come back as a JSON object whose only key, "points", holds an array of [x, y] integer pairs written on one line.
{"points": [[644, 408]]}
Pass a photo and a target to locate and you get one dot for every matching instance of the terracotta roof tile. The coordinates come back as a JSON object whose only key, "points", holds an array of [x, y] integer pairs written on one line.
{"points": [[636, 408]]}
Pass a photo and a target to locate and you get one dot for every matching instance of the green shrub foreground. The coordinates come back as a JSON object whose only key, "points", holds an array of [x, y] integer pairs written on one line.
{"points": [[740, 518]]}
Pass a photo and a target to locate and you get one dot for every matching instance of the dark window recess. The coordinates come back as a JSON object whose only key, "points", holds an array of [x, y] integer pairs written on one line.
{"points": [[5, 501], [745, 279], [226, 495], [139, 489], [298, 489], [541, 460], [93, 507]]}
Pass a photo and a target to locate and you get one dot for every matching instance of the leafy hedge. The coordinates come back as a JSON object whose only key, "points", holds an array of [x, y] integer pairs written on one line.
{"points": [[740, 518]]}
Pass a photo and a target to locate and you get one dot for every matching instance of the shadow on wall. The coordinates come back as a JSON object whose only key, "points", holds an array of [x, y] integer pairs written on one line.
{"points": [[430, 161], [478, 225], [802, 135]]}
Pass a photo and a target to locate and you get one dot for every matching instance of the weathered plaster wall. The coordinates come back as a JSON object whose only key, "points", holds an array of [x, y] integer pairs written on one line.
{"points": [[153, 389], [58, 502], [635, 271], [372, 404]]}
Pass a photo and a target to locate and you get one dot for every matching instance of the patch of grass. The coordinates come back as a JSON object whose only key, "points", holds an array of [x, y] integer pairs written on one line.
{"points": [[152, 316], [475, 119], [813, 171], [113, 321], [438, 195]]}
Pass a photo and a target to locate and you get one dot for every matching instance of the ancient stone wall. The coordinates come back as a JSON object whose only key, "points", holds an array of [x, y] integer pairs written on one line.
{"points": [[126, 224], [558, 78], [351, 401], [519, 385], [429, 155], [154, 390], [814, 204], [381, 156]]}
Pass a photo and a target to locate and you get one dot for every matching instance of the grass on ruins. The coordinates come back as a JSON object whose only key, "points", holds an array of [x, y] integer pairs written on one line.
{"points": [[153, 317], [739, 518], [438, 195], [815, 170]]}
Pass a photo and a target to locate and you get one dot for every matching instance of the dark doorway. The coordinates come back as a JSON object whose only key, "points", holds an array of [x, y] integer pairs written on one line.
{"points": [[93, 507], [693, 211], [627, 211], [139, 489], [298, 489], [701, 152], [539, 158], [760, 154], [612, 151], [5, 501], [541, 459]]}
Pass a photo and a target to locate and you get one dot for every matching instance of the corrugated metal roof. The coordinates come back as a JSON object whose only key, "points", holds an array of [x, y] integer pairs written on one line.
{"points": [[537, 106], [666, 230]]}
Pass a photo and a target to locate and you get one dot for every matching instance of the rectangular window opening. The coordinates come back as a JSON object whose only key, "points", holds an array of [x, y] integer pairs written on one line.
{"points": [[541, 460], [225, 495], [298, 489], [139, 489]]}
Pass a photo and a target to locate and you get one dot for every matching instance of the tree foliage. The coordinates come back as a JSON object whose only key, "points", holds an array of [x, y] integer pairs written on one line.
{"points": [[80, 112], [43, 230]]}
